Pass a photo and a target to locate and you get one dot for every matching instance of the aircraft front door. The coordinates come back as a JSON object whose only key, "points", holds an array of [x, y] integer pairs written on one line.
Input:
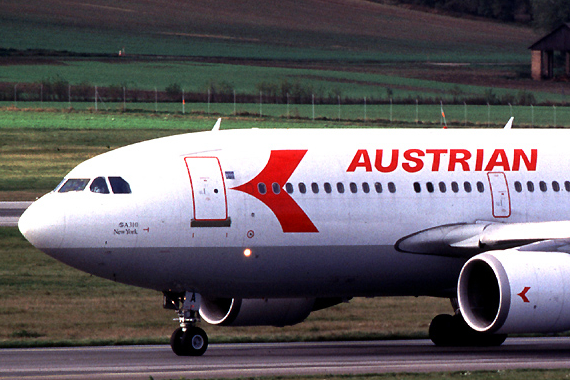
{"points": [[208, 192], [500, 197]]}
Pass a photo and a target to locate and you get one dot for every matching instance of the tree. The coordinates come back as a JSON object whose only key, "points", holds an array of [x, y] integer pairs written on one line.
{"points": [[550, 14]]}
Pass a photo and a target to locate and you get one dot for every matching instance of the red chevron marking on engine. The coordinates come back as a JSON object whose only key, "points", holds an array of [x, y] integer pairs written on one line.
{"points": [[523, 294], [279, 168]]}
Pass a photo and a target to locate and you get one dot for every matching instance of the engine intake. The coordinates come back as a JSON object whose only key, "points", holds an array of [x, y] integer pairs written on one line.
{"points": [[256, 312], [516, 291]]}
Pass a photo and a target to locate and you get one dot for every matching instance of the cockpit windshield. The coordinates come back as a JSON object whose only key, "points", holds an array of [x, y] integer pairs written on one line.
{"points": [[98, 185], [74, 185]]}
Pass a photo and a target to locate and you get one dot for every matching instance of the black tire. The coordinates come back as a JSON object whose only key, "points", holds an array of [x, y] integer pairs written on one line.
{"points": [[193, 342], [442, 329]]}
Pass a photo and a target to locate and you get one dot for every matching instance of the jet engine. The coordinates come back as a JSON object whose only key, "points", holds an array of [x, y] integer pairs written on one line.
{"points": [[516, 291], [256, 312]]}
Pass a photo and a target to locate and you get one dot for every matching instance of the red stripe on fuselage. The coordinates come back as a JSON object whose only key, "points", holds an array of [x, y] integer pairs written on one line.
{"points": [[279, 168]]}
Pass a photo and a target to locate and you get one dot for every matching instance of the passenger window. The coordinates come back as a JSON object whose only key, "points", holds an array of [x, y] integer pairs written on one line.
{"points": [[480, 187], [567, 185], [391, 187], [365, 187], [555, 186], [429, 187], [378, 187], [417, 187], [542, 186], [261, 188], [119, 185], [99, 185], [315, 187], [74, 185], [467, 186], [530, 186], [340, 187], [276, 188], [518, 186], [289, 188], [353, 188], [454, 187], [302, 188], [442, 187], [328, 188]]}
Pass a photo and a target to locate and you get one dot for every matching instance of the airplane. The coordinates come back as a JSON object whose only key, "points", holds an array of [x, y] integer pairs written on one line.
{"points": [[264, 226]]}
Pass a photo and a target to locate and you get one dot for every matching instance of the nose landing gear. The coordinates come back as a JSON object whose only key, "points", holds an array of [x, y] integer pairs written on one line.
{"points": [[187, 340]]}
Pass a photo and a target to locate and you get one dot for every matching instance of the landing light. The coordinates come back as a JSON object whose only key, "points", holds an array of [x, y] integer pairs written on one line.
{"points": [[247, 252]]}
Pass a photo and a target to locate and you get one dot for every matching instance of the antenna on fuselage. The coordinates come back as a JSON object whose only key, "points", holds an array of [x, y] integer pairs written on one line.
{"points": [[217, 125], [509, 123]]}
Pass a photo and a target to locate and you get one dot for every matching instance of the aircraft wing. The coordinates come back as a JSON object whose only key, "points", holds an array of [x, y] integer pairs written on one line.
{"points": [[469, 239]]}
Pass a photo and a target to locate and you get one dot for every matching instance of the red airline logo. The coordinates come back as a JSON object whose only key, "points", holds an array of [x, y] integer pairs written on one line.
{"points": [[267, 186], [523, 294], [414, 160]]}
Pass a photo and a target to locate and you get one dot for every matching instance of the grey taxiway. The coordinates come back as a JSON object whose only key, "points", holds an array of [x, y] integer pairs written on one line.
{"points": [[271, 359]]}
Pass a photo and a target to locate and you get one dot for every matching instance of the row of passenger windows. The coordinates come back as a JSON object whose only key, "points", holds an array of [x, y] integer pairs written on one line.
{"points": [[542, 185], [98, 185], [327, 187], [442, 186], [430, 187], [480, 186]]}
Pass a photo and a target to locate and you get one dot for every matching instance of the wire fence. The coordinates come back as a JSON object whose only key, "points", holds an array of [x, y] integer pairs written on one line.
{"points": [[420, 114]]}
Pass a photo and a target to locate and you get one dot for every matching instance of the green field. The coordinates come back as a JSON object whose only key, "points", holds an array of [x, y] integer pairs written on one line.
{"points": [[251, 79], [77, 308]]}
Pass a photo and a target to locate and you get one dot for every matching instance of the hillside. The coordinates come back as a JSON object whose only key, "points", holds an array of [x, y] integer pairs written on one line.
{"points": [[357, 28]]}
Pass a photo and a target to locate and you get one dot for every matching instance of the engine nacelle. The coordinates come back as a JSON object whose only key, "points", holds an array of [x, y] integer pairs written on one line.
{"points": [[256, 312], [515, 291]]}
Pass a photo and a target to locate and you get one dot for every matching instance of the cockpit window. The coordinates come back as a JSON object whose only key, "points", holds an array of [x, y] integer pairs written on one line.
{"points": [[74, 185], [119, 185], [99, 185]]}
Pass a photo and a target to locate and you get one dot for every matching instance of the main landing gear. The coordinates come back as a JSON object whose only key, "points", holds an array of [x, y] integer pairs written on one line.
{"points": [[451, 330], [187, 340]]}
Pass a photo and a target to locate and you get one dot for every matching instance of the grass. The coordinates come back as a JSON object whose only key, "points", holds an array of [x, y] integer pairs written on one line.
{"points": [[339, 31], [77, 308], [537, 374], [40, 146], [367, 82]]}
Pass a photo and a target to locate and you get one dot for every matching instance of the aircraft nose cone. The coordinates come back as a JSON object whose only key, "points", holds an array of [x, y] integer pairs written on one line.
{"points": [[43, 224]]}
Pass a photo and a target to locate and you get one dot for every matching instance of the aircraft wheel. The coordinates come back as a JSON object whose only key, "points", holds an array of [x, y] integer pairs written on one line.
{"points": [[446, 330], [441, 330], [193, 342]]}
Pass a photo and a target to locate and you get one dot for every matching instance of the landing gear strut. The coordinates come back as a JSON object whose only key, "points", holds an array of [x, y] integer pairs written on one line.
{"points": [[187, 340], [451, 330]]}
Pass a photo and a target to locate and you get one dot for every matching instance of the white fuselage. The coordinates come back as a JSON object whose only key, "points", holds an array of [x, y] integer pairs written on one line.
{"points": [[298, 213]]}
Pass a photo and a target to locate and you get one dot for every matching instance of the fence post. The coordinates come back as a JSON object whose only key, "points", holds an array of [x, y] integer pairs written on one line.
{"points": [[96, 95], [183, 103], [15, 95], [313, 102], [69, 95], [554, 107], [417, 112], [42, 93], [338, 96], [155, 100]]}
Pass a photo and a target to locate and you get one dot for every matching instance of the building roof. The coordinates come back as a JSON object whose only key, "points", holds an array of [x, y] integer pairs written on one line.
{"points": [[558, 39]]}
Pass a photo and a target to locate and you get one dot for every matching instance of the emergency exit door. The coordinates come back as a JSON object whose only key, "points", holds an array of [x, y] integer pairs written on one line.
{"points": [[208, 192], [500, 197]]}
